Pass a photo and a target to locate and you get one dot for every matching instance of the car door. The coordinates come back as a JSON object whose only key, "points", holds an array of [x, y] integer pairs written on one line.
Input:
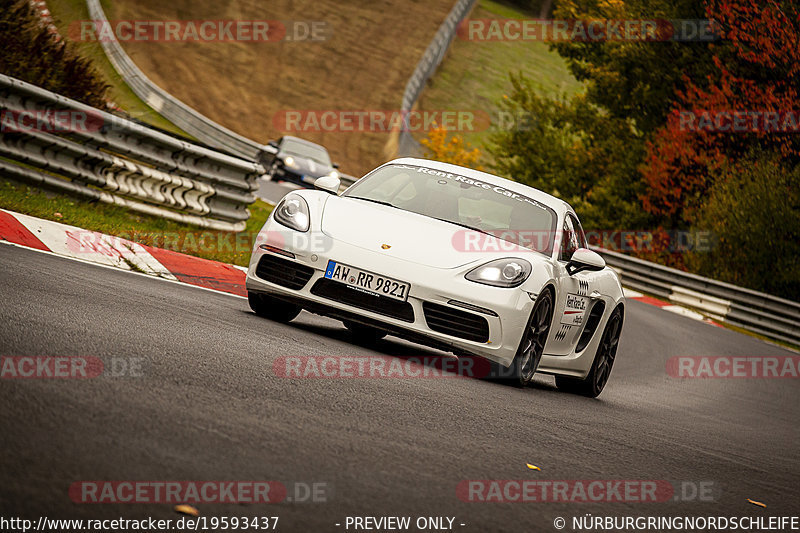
{"points": [[576, 293]]}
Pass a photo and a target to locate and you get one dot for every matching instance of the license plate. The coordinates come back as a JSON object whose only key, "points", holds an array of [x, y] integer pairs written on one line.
{"points": [[367, 281]]}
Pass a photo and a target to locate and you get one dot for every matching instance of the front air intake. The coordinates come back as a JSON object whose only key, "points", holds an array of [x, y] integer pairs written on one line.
{"points": [[455, 322], [283, 272]]}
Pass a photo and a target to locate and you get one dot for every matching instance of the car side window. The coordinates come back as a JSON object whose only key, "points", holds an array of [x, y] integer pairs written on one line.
{"points": [[572, 239], [579, 232]]}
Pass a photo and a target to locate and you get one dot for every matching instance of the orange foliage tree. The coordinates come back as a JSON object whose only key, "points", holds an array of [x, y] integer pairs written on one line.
{"points": [[756, 74], [454, 150]]}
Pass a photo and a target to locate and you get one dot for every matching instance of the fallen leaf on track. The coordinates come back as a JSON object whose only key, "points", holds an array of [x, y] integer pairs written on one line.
{"points": [[186, 509], [757, 503], [533, 467]]}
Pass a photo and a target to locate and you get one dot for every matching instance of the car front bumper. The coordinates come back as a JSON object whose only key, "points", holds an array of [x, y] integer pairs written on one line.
{"points": [[508, 309]]}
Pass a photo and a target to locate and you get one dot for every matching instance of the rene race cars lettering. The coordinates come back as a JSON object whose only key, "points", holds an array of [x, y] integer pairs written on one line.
{"points": [[574, 309]]}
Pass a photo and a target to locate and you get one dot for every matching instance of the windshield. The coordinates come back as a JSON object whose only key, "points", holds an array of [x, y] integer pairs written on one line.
{"points": [[299, 149], [464, 201]]}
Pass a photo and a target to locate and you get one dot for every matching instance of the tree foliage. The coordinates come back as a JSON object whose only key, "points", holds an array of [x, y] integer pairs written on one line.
{"points": [[753, 209], [634, 79], [622, 156], [758, 70], [590, 150], [30, 53], [571, 149], [453, 150]]}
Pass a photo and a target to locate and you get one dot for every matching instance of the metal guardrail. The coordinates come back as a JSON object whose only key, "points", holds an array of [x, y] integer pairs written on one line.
{"points": [[54, 141], [347, 180], [180, 114], [430, 61], [173, 109], [771, 316]]}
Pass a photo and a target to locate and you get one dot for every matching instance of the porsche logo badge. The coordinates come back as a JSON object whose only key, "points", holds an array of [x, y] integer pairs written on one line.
{"points": [[386, 246]]}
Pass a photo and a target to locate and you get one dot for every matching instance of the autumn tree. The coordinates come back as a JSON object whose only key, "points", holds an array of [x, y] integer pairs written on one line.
{"points": [[589, 150], [718, 119], [30, 53], [572, 150], [450, 150]]}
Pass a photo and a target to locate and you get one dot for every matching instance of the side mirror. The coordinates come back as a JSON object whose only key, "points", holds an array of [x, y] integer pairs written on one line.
{"points": [[585, 259], [328, 184], [273, 144]]}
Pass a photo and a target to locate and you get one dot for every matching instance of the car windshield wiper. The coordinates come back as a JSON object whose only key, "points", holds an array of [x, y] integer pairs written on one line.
{"points": [[463, 225], [373, 201]]}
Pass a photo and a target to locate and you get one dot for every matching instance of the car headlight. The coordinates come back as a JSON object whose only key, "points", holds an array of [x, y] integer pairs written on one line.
{"points": [[292, 212], [501, 273], [289, 161], [334, 174]]}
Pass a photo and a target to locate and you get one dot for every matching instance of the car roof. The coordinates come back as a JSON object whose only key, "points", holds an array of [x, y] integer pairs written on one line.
{"points": [[557, 204], [302, 141]]}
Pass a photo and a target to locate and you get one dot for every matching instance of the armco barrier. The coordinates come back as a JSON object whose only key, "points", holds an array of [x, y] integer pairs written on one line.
{"points": [[426, 67], [115, 160], [180, 114], [173, 109], [771, 316]]}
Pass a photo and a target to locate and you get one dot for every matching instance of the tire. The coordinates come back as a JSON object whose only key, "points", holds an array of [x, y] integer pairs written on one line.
{"points": [[364, 334], [273, 308], [531, 346], [596, 380]]}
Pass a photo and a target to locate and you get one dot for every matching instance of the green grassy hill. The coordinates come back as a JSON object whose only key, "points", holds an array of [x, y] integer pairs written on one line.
{"points": [[370, 51], [475, 74]]}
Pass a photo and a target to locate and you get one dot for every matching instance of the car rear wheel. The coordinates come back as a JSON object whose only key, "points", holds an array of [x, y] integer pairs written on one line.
{"points": [[531, 347], [598, 376], [272, 308], [364, 334]]}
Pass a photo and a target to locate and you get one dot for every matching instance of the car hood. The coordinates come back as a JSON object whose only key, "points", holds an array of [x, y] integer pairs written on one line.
{"points": [[410, 237]]}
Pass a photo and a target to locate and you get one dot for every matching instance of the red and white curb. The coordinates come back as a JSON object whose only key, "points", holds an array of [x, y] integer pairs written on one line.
{"points": [[93, 247], [631, 294], [101, 249]]}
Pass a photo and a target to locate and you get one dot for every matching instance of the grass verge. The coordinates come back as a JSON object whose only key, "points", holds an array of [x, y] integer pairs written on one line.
{"points": [[227, 247], [475, 74], [67, 12]]}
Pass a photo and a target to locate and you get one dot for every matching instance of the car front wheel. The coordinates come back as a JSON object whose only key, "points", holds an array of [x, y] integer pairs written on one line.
{"points": [[598, 376], [531, 347]]}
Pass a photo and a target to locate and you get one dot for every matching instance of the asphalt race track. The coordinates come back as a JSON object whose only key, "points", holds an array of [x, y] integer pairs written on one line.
{"points": [[209, 407], [273, 191]]}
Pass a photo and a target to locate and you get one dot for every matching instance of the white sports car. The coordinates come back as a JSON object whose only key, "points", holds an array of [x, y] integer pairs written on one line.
{"points": [[448, 257]]}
